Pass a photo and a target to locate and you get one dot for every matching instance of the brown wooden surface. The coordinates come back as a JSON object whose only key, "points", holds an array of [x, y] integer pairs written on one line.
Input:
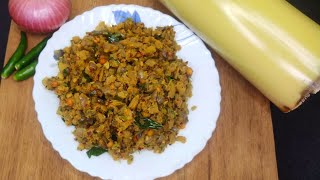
{"points": [[242, 146]]}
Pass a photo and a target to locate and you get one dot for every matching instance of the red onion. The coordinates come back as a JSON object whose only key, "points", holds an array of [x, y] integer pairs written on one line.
{"points": [[39, 16]]}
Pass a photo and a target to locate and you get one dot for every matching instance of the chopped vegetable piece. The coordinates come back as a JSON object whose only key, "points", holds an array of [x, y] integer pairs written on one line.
{"points": [[102, 60], [57, 54], [69, 102], [193, 108], [110, 144], [54, 84], [150, 132]]}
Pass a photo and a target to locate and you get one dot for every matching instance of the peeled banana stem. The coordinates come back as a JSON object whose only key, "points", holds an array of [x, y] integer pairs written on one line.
{"points": [[272, 44]]}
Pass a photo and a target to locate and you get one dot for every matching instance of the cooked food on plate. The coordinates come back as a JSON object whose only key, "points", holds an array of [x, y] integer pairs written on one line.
{"points": [[123, 89]]}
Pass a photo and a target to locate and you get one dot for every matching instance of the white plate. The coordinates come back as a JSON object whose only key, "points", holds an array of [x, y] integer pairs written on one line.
{"points": [[146, 164]]}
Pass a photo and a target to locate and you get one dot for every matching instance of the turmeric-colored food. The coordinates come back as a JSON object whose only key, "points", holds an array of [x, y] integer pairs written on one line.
{"points": [[123, 89]]}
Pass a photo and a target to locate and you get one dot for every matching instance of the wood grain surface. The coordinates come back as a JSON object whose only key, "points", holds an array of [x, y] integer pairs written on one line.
{"points": [[242, 146]]}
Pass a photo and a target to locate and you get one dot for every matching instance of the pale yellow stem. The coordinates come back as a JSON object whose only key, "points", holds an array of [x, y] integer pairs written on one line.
{"points": [[269, 42]]}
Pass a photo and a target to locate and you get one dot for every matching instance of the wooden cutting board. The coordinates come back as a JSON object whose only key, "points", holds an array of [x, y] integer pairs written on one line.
{"points": [[242, 146]]}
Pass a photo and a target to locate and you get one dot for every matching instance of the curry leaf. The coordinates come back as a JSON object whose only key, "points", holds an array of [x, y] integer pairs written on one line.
{"points": [[115, 37], [146, 123], [170, 78], [66, 72], [111, 37], [86, 76], [96, 151]]}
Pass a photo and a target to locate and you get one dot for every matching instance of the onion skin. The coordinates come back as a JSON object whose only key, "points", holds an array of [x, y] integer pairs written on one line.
{"points": [[39, 16]]}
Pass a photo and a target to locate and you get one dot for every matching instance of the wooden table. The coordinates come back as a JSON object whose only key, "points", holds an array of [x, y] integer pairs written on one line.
{"points": [[242, 146]]}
